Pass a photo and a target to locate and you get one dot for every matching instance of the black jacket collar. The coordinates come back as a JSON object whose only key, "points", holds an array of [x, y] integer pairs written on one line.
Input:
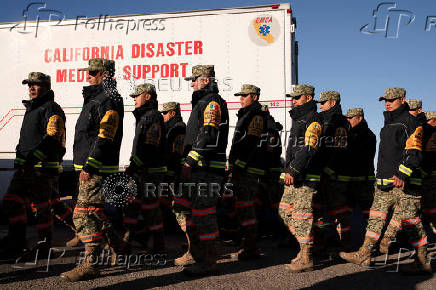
{"points": [[391, 117], [333, 111], [301, 111], [198, 95], [38, 101], [149, 105], [89, 92], [173, 121], [362, 126], [256, 106]]}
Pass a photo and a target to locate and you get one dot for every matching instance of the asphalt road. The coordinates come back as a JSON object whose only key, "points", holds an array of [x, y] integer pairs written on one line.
{"points": [[267, 273]]}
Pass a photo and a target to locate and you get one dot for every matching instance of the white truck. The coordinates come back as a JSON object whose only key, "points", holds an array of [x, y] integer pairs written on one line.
{"points": [[254, 45]]}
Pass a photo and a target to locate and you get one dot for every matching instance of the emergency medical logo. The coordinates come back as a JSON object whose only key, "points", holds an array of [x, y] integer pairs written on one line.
{"points": [[431, 143], [212, 115], [313, 133], [256, 126], [153, 135], [264, 30], [341, 138]]}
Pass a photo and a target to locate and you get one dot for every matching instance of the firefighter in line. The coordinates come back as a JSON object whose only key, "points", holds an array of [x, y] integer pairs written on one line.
{"points": [[248, 164], [399, 160], [97, 142], [39, 154], [205, 151], [302, 175], [147, 165], [360, 154]]}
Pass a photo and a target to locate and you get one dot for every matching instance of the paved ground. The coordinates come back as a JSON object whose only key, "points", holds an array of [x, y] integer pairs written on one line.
{"points": [[267, 273]]}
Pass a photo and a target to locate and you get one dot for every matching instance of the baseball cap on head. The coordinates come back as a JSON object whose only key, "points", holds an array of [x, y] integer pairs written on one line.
{"points": [[170, 106], [248, 89], [329, 95], [354, 112], [414, 104], [100, 64], [201, 71], [430, 115], [303, 89], [143, 88], [393, 93], [37, 78]]}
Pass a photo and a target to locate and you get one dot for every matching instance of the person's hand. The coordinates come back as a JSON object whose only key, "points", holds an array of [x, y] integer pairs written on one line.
{"points": [[289, 179], [84, 176], [398, 183], [186, 171]]}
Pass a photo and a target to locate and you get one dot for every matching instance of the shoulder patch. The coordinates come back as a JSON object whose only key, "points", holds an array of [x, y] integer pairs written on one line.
{"points": [[415, 140], [212, 115], [109, 125], [312, 135], [341, 137], [178, 143], [153, 134], [56, 128], [255, 128]]}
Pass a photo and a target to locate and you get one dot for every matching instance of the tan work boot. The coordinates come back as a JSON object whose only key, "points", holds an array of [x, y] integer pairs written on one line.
{"points": [[87, 269], [304, 260], [249, 250], [187, 258], [384, 245], [363, 256], [74, 242], [207, 266], [421, 265]]}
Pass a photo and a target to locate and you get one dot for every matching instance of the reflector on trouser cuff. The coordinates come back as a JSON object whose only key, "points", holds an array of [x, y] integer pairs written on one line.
{"points": [[130, 221], [302, 216], [339, 211], [405, 170], [206, 211], [87, 210], [211, 236], [91, 238], [304, 240], [411, 222], [372, 235], [420, 243], [286, 206], [182, 201], [156, 227], [249, 222], [379, 214], [396, 224]]}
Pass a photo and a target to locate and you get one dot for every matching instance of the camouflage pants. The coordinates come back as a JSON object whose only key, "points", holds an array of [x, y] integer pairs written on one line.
{"points": [[36, 187], [406, 205], [245, 189], [297, 212], [146, 204], [89, 217], [428, 203]]}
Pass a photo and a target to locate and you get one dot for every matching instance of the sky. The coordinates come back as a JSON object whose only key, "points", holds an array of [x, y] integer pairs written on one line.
{"points": [[334, 52]]}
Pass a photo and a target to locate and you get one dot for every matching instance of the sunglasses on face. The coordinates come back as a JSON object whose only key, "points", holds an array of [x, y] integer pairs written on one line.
{"points": [[93, 73], [391, 100], [322, 103], [166, 112], [296, 98]]}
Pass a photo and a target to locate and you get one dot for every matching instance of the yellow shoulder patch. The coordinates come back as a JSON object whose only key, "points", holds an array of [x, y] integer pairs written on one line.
{"points": [[212, 115], [153, 134], [56, 128], [312, 135], [431, 143], [255, 128], [109, 125], [178, 144], [415, 140]]}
